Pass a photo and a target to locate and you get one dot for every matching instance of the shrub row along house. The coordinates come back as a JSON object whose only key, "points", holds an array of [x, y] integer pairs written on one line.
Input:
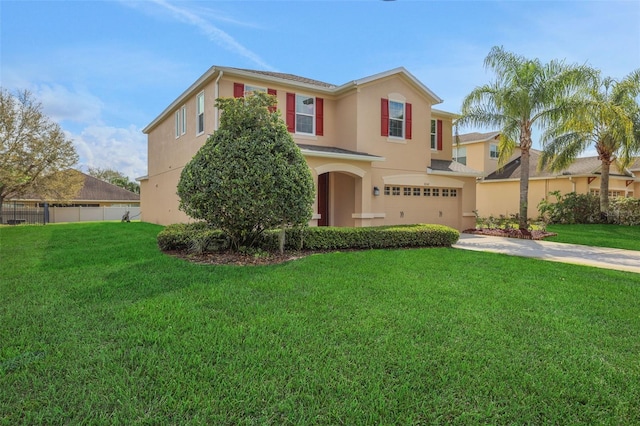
{"points": [[497, 192], [379, 153]]}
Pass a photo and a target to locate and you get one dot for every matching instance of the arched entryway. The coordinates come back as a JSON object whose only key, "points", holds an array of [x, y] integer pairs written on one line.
{"points": [[339, 194], [336, 198]]}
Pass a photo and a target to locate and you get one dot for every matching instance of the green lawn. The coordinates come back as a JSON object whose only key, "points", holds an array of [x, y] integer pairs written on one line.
{"points": [[615, 236], [98, 327]]}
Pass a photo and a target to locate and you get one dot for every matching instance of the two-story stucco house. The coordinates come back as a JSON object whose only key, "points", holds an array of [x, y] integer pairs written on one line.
{"points": [[379, 153], [498, 192]]}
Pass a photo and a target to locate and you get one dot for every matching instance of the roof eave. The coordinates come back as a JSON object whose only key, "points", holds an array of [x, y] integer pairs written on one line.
{"points": [[400, 70], [445, 113], [275, 79], [180, 99], [430, 171], [340, 156]]}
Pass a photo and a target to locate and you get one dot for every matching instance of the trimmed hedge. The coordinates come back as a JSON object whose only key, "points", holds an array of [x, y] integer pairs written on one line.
{"points": [[196, 237], [199, 237]]}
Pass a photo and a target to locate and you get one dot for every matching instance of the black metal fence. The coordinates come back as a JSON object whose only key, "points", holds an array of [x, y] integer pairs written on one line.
{"points": [[13, 214]]}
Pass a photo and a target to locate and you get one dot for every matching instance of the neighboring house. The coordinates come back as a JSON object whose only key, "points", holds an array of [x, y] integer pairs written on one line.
{"points": [[96, 200], [378, 151], [499, 192], [479, 151]]}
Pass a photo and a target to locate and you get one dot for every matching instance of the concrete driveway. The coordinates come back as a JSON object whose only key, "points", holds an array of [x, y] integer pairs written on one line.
{"points": [[599, 257]]}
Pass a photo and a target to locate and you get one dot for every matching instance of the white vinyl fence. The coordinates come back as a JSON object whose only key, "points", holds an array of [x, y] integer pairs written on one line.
{"points": [[91, 214]]}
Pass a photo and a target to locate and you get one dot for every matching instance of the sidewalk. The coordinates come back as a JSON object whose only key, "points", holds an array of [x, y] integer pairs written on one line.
{"points": [[600, 257]]}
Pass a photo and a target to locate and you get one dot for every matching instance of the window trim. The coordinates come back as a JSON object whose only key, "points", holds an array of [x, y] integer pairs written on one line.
{"points": [[433, 133], [456, 154], [403, 120], [313, 116], [177, 123], [183, 113], [255, 89], [199, 113], [491, 151]]}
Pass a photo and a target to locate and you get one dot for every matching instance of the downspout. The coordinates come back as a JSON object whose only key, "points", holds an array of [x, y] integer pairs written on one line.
{"points": [[573, 184], [216, 90]]}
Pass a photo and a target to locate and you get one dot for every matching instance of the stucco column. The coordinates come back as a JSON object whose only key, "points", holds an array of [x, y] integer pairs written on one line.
{"points": [[363, 193]]}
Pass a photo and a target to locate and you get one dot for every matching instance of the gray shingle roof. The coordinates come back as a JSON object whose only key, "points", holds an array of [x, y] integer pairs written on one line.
{"points": [[452, 167], [334, 150], [99, 190], [477, 137], [94, 189], [581, 166], [290, 77]]}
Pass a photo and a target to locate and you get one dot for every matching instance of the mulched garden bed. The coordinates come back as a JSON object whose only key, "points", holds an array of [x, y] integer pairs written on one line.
{"points": [[511, 233], [232, 258]]}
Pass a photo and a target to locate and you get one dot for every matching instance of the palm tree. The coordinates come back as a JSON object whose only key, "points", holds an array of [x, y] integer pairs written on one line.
{"points": [[607, 116], [526, 93]]}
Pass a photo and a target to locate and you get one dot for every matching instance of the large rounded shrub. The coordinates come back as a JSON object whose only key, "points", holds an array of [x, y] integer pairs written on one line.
{"points": [[250, 175]]}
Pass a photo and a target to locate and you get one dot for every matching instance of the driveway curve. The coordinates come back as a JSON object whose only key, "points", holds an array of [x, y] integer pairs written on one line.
{"points": [[599, 257]]}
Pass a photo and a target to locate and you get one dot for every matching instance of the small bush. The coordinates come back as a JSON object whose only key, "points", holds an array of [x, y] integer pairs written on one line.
{"points": [[571, 208], [504, 222], [183, 237], [624, 211], [575, 208]]}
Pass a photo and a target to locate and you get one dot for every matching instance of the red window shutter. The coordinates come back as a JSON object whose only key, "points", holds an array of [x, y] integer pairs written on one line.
{"points": [[408, 122], [238, 90], [291, 112], [272, 92], [384, 122], [439, 135], [319, 116]]}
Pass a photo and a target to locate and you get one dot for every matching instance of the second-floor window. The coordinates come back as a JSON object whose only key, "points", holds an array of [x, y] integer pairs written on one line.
{"points": [[493, 151], [240, 90], [177, 124], [200, 113], [183, 124], [436, 135], [181, 121], [396, 119], [305, 114], [460, 155]]}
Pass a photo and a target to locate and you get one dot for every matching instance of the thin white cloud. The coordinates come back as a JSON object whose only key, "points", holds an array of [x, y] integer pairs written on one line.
{"points": [[62, 104], [121, 149], [213, 33]]}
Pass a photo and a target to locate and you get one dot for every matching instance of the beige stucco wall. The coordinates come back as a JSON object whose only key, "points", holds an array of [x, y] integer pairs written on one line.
{"points": [[479, 157], [503, 198]]}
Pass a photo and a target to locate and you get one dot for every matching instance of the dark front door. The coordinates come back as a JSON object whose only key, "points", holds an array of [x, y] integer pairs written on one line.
{"points": [[323, 199]]}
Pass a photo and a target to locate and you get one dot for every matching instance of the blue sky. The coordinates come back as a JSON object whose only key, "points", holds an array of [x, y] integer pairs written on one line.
{"points": [[106, 69]]}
